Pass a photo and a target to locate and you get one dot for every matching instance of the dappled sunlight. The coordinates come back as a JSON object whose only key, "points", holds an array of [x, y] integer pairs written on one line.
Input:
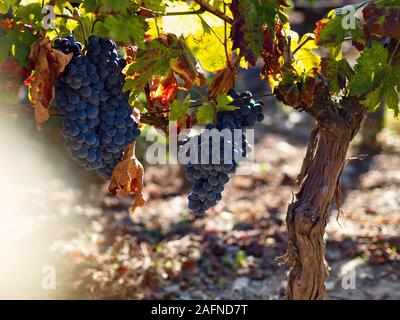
{"points": [[37, 206]]}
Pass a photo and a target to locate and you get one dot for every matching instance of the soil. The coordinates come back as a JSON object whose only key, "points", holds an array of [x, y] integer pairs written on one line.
{"points": [[53, 213]]}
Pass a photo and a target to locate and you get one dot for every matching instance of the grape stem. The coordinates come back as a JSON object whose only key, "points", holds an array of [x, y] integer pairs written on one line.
{"points": [[301, 45]]}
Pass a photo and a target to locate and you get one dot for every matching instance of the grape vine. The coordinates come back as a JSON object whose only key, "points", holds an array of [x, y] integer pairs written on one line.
{"points": [[172, 48]]}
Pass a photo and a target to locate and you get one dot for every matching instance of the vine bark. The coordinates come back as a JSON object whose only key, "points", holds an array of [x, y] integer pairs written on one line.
{"points": [[336, 125]]}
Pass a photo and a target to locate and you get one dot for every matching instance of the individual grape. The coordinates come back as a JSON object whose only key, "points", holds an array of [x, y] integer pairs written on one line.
{"points": [[73, 98], [86, 91]]}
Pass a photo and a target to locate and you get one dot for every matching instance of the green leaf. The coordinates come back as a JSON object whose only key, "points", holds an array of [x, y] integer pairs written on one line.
{"points": [[223, 103], [5, 49], [17, 43], [387, 93], [333, 34], [179, 110], [125, 29], [205, 114], [30, 14], [377, 79], [155, 5], [370, 70], [108, 6], [5, 5]]}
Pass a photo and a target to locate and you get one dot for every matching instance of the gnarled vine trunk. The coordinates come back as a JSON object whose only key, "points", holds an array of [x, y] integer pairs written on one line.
{"points": [[337, 124]]}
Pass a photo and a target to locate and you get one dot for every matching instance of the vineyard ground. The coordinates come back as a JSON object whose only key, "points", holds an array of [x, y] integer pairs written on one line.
{"points": [[57, 215]]}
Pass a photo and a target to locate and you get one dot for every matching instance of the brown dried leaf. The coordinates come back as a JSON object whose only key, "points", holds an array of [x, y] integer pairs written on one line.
{"points": [[41, 113], [127, 178], [48, 64], [188, 72], [224, 80], [186, 66]]}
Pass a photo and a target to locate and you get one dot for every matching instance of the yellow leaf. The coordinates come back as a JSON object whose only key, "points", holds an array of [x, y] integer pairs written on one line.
{"points": [[208, 50], [305, 58], [185, 25]]}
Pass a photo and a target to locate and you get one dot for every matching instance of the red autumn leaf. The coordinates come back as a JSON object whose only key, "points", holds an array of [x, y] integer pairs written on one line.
{"points": [[273, 51], [319, 26], [164, 88], [384, 22], [186, 69], [131, 52]]}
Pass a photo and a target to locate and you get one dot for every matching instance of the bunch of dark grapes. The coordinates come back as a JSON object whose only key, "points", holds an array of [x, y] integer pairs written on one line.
{"points": [[98, 124], [208, 179]]}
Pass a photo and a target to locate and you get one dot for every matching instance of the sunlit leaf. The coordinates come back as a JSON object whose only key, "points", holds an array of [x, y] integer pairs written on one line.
{"points": [[208, 50]]}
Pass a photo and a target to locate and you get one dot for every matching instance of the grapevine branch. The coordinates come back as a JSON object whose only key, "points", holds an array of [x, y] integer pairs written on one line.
{"points": [[150, 13], [209, 8], [226, 40]]}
